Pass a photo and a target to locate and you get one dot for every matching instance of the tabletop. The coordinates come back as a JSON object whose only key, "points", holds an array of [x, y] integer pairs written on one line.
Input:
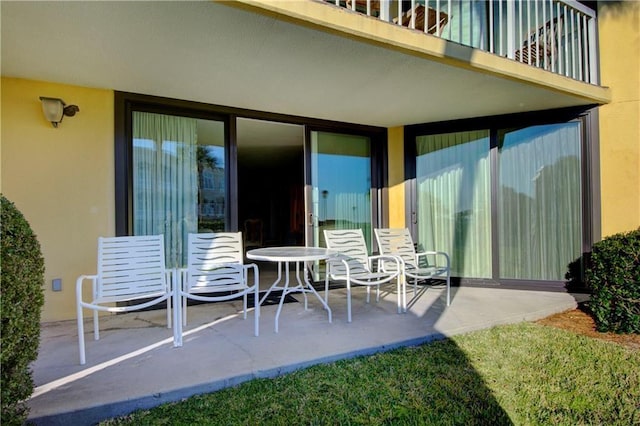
{"points": [[290, 254]]}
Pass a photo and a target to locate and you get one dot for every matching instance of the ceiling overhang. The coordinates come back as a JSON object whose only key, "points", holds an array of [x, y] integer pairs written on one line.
{"points": [[275, 57]]}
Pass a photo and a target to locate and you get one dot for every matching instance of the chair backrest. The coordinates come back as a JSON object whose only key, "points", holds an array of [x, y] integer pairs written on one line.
{"points": [[542, 43], [398, 242], [351, 245], [131, 268], [214, 262], [435, 20]]}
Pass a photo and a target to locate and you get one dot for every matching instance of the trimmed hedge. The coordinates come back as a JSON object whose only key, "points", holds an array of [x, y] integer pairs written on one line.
{"points": [[22, 297], [613, 276]]}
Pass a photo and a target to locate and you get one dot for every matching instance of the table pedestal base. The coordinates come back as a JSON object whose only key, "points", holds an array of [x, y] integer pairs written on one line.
{"points": [[303, 286]]}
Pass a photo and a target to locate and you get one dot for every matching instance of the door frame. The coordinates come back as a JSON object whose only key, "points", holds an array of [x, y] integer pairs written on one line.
{"points": [[125, 103], [379, 174]]}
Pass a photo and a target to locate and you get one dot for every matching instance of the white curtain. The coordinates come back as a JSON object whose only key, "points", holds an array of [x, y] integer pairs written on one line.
{"points": [[454, 209], [539, 211], [165, 180]]}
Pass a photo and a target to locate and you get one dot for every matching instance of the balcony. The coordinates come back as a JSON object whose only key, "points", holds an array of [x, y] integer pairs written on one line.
{"points": [[557, 36], [315, 59]]}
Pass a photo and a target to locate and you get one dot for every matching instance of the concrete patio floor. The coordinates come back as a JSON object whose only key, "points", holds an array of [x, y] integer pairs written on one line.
{"points": [[135, 366]]}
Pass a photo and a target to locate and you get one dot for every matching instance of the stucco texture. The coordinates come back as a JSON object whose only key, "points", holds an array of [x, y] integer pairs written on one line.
{"points": [[61, 179], [619, 27]]}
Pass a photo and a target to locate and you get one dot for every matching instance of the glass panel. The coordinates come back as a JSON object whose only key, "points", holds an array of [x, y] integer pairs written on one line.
{"points": [[539, 209], [341, 184], [454, 199], [211, 176], [178, 183]]}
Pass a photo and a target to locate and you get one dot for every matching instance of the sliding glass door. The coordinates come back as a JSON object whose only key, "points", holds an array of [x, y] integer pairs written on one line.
{"points": [[454, 199], [505, 203], [539, 203], [340, 186]]}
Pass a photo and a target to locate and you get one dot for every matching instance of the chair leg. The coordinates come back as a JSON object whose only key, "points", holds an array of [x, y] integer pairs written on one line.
{"points": [[256, 311], [448, 289], [184, 311], [244, 304], [96, 326], [399, 293], [171, 278], [169, 316], [404, 292], [326, 287], [81, 335], [349, 300], [177, 318]]}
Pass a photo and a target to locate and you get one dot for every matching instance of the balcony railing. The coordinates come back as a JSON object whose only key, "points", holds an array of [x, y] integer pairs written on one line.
{"points": [[558, 36]]}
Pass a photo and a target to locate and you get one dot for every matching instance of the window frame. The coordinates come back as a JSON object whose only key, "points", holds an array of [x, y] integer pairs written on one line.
{"points": [[125, 103]]}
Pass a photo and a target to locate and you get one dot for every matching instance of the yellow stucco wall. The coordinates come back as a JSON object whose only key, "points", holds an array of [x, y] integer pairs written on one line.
{"points": [[619, 27], [396, 177], [61, 179]]}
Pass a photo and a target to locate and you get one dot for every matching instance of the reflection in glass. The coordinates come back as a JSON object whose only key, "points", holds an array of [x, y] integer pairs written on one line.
{"points": [[178, 179], [211, 177], [341, 184]]}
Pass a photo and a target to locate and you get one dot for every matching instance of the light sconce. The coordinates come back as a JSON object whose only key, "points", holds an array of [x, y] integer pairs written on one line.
{"points": [[55, 109]]}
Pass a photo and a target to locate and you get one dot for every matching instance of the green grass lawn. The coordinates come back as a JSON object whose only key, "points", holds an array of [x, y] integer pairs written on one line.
{"points": [[523, 374]]}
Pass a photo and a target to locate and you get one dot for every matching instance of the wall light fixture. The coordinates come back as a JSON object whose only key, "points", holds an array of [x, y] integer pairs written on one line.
{"points": [[55, 109]]}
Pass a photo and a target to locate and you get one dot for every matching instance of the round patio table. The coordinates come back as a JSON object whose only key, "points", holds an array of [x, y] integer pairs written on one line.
{"points": [[284, 256]]}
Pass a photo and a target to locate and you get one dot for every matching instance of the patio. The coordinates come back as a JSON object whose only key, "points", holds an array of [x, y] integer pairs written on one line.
{"points": [[135, 366]]}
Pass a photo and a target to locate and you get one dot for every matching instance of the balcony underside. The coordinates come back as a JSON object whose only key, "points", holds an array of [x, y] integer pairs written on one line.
{"points": [[297, 58]]}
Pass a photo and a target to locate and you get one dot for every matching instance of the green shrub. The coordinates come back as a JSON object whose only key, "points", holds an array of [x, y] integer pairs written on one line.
{"points": [[613, 277], [21, 295]]}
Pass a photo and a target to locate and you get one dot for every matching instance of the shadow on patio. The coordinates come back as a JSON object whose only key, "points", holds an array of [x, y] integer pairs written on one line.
{"points": [[135, 366]]}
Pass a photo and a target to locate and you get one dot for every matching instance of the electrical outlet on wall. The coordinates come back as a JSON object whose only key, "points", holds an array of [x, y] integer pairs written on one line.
{"points": [[56, 284]]}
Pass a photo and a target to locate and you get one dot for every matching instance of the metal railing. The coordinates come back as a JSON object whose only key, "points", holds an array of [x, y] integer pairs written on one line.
{"points": [[556, 35]]}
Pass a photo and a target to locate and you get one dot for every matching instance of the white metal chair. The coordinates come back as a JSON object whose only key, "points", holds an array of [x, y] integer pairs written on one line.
{"points": [[131, 270], [419, 266], [355, 266], [215, 272]]}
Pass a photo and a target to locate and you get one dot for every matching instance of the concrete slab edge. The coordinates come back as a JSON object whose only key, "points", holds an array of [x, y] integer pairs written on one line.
{"points": [[93, 415], [96, 414]]}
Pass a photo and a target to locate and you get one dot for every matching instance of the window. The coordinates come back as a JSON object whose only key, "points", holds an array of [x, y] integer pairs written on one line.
{"points": [[177, 169], [178, 178], [539, 207], [341, 184], [505, 201], [454, 199]]}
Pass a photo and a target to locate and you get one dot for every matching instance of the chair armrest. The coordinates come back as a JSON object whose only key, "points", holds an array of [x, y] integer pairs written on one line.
{"points": [[172, 275], [434, 253], [389, 257], [79, 283], [256, 273], [181, 278], [81, 278], [383, 258]]}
